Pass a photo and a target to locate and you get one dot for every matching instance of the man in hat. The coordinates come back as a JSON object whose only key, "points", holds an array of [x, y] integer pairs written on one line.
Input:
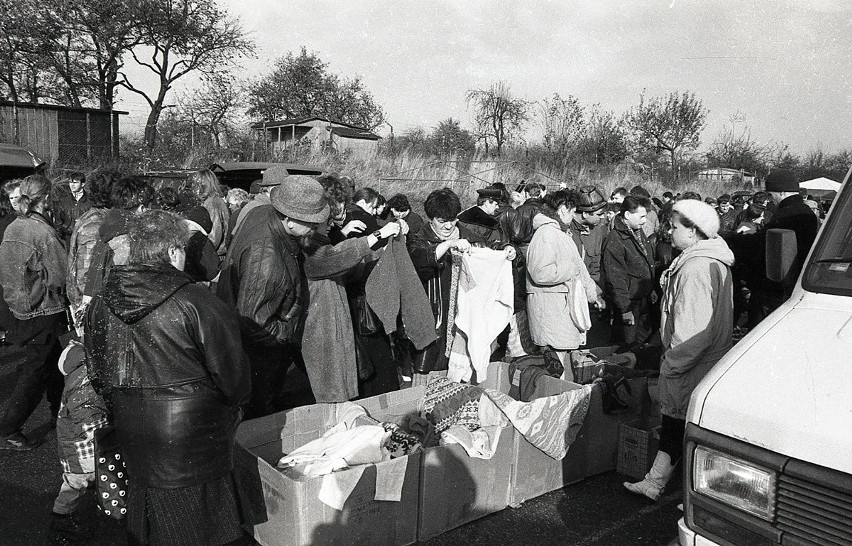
{"points": [[482, 218], [262, 277], [260, 190], [588, 229], [792, 213]]}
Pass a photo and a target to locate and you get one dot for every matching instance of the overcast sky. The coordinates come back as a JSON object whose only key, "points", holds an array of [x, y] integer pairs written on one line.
{"points": [[785, 67]]}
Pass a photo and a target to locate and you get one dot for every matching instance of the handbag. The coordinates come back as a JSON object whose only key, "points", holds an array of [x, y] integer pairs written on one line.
{"points": [[579, 307], [111, 474], [366, 321]]}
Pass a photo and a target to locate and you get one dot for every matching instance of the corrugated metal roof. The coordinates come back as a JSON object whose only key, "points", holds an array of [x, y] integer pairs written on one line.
{"points": [[347, 132], [298, 121]]}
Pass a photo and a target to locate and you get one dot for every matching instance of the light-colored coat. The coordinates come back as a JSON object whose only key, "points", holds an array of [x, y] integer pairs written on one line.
{"points": [[553, 264], [697, 320]]}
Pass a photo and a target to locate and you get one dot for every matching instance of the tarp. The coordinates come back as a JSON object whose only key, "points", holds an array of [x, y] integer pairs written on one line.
{"points": [[17, 156], [821, 183]]}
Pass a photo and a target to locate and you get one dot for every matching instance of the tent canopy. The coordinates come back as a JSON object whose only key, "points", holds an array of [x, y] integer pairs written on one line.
{"points": [[821, 183]]}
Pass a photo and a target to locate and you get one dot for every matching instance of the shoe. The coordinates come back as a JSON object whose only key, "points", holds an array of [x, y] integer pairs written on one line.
{"points": [[656, 478], [68, 526], [17, 442]]}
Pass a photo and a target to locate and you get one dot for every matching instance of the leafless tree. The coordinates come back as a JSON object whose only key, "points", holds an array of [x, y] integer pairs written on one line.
{"points": [[498, 114]]}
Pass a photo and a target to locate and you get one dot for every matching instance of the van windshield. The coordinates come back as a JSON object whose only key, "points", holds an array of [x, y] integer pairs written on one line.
{"points": [[830, 267]]}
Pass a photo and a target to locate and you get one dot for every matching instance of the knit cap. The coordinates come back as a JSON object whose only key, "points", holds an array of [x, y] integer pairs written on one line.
{"points": [[705, 217]]}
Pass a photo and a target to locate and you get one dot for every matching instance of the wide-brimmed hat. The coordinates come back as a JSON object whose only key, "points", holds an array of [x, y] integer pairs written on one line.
{"points": [[300, 197], [590, 199]]}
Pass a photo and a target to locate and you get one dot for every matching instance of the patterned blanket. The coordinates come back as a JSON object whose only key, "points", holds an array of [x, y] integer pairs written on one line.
{"points": [[550, 423]]}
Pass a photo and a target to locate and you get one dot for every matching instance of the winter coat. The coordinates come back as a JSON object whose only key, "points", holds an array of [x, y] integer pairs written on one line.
{"points": [[517, 224], [81, 413], [33, 268], [68, 210], [202, 263], [553, 265], [697, 320], [7, 319], [486, 226], [258, 200], [80, 251], [261, 278], [628, 266], [728, 221], [168, 360], [112, 248], [792, 213], [589, 241], [220, 215], [328, 344]]}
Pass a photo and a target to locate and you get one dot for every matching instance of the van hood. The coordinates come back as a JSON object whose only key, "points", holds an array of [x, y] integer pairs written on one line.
{"points": [[786, 386]]}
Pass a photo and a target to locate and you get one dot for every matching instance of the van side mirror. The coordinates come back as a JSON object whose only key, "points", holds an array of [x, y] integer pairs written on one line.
{"points": [[781, 252]]}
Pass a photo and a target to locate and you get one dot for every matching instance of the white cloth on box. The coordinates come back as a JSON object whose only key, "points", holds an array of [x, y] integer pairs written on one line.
{"points": [[484, 305], [482, 442], [339, 448]]}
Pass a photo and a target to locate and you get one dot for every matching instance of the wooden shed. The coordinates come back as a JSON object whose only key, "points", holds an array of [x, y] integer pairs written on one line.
{"points": [[318, 132], [60, 132]]}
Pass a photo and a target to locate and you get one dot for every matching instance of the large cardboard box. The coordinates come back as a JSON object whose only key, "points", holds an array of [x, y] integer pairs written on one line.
{"points": [[285, 511], [535, 472], [456, 489]]}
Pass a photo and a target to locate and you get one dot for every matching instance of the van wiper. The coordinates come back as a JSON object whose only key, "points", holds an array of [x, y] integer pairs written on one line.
{"points": [[834, 261]]}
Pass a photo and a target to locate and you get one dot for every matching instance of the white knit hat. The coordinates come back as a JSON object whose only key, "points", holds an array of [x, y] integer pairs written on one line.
{"points": [[705, 217]]}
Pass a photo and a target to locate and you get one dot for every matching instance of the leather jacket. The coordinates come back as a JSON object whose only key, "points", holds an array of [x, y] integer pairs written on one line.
{"points": [[628, 266], [517, 224], [167, 357], [262, 278]]}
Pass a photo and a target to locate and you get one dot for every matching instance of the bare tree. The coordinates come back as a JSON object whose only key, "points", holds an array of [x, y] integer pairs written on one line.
{"points": [[563, 124], [671, 123], [213, 106], [498, 114], [182, 37]]}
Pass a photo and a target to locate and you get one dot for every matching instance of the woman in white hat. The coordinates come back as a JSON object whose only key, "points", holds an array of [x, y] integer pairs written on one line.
{"points": [[697, 325]]}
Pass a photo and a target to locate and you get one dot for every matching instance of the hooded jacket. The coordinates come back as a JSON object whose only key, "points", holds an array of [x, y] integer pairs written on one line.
{"points": [[697, 320], [167, 358], [553, 266]]}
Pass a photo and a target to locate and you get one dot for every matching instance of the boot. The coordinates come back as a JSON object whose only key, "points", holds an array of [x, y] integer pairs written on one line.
{"points": [[656, 478], [68, 526]]}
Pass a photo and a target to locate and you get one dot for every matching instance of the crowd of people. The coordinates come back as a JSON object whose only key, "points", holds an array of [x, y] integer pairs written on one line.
{"points": [[173, 313]]}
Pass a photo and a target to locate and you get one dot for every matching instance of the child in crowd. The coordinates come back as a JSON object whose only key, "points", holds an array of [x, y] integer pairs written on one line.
{"points": [[81, 413]]}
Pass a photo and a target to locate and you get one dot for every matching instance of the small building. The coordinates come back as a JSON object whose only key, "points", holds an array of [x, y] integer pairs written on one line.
{"points": [[317, 132], [726, 176], [60, 132]]}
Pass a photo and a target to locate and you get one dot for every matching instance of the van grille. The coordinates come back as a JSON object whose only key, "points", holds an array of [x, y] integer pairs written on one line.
{"points": [[813, 513]]}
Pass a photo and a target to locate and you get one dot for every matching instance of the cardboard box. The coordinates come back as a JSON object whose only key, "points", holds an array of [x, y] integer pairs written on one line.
{"points": [[456, 489], [637, 448], [536, 473], [602, 429], [284, 511]]}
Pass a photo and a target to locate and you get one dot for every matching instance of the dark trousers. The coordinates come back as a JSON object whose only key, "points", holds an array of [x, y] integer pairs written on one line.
{"points": [[672, 432], [642, 329], [37, 373], [269, 367]]}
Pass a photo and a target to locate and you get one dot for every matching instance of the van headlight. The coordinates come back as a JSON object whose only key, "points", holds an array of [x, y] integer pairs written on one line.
{"points": [[734, 482]]}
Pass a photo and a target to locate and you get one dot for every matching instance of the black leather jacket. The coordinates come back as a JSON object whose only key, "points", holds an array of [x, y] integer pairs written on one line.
{"points": [[516, 224], [167, 357], [262, 278]]}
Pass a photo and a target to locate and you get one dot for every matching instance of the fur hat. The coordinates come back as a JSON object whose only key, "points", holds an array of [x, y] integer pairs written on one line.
{"points": [[299, 197], [705, 217], [782, 180]]}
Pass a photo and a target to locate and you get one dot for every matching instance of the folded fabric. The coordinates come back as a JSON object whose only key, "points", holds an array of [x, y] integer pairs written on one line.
{"points": [[339, 448], [449, 403]]}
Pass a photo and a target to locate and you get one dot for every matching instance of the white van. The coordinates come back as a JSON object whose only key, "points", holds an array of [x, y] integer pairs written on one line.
{"points": [[768, 456]]}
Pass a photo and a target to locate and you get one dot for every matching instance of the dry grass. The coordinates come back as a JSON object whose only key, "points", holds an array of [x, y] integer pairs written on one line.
{"points": [[417, 176]]}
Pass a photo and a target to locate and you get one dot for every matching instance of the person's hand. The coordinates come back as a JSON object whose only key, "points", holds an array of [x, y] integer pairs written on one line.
{"points": [[404, 228], [391, 229], [599, 304], [511, 253], [628, 319], [654, 298], [355, 226], [462, 245]]}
